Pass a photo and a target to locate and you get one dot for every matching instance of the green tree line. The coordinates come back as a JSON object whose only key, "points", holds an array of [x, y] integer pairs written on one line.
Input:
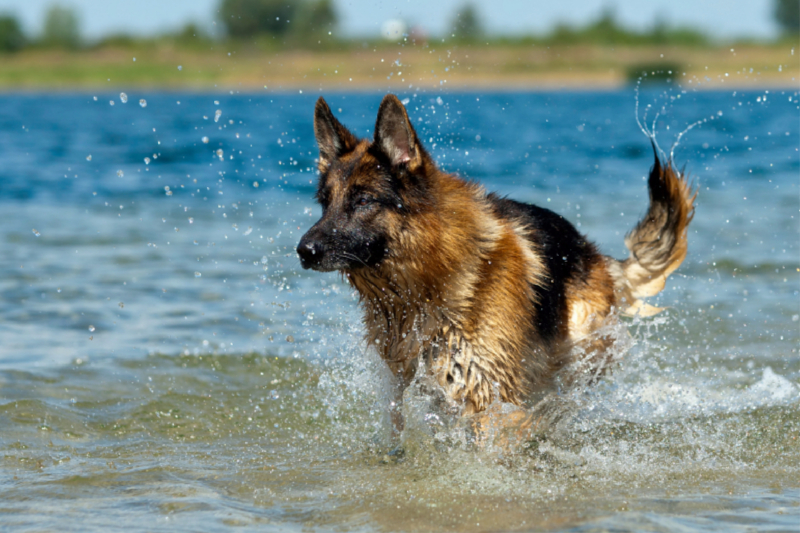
{"points": [[309, 23]]}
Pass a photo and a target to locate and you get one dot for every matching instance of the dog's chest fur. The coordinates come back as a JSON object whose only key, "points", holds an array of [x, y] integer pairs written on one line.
{"points": [[407, 334]]}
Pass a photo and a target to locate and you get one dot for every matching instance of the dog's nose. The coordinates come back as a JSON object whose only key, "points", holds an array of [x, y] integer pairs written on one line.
{"points": [[310, 252]]}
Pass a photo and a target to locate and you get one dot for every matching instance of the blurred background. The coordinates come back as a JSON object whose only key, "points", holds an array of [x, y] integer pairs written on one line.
{"points": [[344, 43]]}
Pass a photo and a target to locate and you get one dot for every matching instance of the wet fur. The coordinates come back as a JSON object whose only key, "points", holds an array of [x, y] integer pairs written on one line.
{"points": [[492, 295]]}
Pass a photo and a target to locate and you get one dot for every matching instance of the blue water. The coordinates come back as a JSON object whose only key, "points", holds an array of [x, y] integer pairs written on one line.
{"points": [[137, 240]]}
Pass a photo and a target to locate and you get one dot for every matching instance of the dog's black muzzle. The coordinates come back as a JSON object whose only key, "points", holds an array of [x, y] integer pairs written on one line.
{"points": [[311, 252], [326, 248]]}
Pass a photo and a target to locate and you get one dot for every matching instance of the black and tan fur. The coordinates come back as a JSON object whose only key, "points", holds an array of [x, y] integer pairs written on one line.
{"points": [[492, 294]]}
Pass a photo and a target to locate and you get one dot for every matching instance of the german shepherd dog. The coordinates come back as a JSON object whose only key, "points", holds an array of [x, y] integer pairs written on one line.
{"points": [[490, 296]]}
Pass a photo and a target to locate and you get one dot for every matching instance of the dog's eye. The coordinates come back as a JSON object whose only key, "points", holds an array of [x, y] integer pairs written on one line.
{"points": [[363, 201]]}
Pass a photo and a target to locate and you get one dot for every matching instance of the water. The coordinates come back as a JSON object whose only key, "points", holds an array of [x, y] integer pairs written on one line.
{"points": [[166, 364]]}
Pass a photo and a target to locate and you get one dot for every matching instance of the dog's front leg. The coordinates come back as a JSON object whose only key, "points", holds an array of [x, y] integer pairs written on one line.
{"points": [[404, 372]]}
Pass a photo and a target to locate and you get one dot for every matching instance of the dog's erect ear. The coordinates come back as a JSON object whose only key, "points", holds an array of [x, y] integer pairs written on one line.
{"points": [[394, 134], [332, 137]]}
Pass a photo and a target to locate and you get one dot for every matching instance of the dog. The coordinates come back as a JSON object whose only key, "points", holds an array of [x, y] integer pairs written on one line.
{"points": [[492, 297]]}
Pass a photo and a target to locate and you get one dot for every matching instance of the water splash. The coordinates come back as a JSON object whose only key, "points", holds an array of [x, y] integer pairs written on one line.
{"points": [[650, 131], [625, 420], [687, 130]]}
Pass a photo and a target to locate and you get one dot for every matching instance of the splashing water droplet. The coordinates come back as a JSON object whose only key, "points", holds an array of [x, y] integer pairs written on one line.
{"points": [[197, 274], [217, 114], [123, 98], [216, 102], [121, 305], [205, 140], [91, 328], [146, 160], [180, 67], [120, 173], [35, 232], [143, 102], [111, 102], [89, 157], [220, 153]]}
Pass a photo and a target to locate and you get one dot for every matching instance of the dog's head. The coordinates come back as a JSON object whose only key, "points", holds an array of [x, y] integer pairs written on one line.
{"points": [[365, 189]]}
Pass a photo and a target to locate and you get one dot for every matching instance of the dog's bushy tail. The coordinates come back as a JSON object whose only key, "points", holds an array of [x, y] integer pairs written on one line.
{"points": [[658, 242]]}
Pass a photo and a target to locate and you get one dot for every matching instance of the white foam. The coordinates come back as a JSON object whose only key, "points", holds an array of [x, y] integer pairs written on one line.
{"points": [[665, 396], [773, 388]]}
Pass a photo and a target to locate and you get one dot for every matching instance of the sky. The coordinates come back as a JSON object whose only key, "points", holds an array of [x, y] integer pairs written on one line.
{"points": [[720, 18]]}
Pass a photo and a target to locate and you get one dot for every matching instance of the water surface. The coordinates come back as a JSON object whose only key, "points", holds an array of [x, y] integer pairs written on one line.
{"points": [[167, 365]]}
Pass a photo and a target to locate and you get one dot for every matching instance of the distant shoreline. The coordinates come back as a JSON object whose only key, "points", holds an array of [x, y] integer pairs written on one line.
{"points": [[495, 86], [462, 68]]}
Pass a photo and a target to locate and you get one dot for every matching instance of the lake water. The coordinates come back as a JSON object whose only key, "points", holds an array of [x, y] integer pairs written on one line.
{"points": [[167, 365]]}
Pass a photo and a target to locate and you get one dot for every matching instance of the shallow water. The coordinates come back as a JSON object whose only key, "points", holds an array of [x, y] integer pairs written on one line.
{"points": [[167, 365]]}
